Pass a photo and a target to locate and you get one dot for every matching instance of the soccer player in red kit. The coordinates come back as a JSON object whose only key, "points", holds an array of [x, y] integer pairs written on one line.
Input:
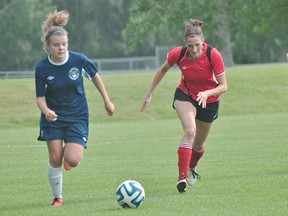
{"points": [[196, 98]]}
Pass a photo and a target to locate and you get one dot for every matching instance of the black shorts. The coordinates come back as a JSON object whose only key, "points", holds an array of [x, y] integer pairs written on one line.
{"points": [[208, 114]]}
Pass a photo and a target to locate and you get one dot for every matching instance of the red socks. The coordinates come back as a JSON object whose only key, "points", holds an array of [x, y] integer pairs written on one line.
{"points": [[184, 155], [188, 158], [195, 158]]}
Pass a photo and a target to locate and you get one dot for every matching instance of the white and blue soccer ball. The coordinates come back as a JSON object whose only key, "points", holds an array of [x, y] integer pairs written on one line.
{"points": [[130, 194]]}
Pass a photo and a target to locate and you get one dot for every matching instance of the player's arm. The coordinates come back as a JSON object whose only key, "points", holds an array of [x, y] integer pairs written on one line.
{"points": [[221, 88], [109, 106], [158, 77], [50, 115]]}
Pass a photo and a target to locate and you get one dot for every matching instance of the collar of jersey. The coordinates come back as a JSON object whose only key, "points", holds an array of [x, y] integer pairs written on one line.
{"points": [[58, 63]]}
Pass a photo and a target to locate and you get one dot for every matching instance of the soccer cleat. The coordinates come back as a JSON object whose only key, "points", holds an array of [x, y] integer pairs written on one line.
{"points": [[192, 176], [66, 166], [182, 183], [57, 202]]}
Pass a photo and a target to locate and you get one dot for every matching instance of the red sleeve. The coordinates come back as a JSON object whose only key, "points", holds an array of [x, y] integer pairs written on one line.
{"points": [[217, 62], [173, 55]]}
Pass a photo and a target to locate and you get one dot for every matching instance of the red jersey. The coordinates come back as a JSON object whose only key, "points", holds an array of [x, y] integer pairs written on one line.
{"points": [[198, 75]]}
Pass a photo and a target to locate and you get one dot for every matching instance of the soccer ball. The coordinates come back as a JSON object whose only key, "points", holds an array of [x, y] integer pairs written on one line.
{"points": [[130, 194]]}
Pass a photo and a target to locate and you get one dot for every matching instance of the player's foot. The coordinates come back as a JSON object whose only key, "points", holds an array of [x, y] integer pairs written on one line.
{"points": [[66, 166], [182, 183], [57, 202], [193, 176]]}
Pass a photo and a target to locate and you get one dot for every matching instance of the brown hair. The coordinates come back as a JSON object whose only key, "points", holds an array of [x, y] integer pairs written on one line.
{"points": [[193, 28], [54, 25]]}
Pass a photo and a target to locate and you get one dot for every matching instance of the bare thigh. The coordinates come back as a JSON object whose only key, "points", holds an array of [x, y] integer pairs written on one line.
{"points": [[186, 113]]}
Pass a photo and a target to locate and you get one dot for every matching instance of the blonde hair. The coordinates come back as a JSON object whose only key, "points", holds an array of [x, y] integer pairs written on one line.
{"points": [[193, 28], [54, 25]]}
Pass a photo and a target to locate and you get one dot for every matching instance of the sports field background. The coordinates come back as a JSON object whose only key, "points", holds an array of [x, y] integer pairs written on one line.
{"points": [[244, 169]]}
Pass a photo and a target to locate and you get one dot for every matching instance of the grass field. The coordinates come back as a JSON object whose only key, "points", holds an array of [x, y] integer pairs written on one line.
{"points": [[244, 169]]}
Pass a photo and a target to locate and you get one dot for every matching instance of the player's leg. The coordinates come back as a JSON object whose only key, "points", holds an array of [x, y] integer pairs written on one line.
{"points": [[186, 113], [73, 154], [204, 119], [202, 131], [76, 136], [55, 151]]}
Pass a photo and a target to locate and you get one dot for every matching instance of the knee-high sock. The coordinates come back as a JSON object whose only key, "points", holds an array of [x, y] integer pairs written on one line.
{"points": [[55, 180], [184, 155], [195, 157]]}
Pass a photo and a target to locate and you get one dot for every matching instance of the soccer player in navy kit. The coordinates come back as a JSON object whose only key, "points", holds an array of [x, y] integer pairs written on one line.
{"points": [[60, 96], [196, 99]]}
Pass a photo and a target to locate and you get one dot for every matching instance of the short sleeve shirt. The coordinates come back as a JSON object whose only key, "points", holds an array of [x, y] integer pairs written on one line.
{"points": [[198, 75], [63, 87]]}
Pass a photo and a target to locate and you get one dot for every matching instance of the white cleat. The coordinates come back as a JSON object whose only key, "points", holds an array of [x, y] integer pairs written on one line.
{"points": [[193, 176]]}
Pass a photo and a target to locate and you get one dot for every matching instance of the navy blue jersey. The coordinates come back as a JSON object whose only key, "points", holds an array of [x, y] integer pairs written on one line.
{"points": [[62, 85]]}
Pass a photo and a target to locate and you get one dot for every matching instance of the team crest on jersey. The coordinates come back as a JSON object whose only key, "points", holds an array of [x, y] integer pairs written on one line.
{"points": [[74, 73]]}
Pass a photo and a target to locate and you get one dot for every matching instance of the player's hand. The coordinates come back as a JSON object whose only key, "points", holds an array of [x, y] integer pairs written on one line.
{"points": [[202, 98], [110, 108], [50, 115], [146, 103]]}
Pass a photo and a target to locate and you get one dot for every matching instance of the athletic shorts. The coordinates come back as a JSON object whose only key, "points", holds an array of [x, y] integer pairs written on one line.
{"points": [[208, 114], [70, 132]]}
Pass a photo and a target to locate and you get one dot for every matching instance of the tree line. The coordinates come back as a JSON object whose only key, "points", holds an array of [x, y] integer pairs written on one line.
{"points": [[244, 31]]}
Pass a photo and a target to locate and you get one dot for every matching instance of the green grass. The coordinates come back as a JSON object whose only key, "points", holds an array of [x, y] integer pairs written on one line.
{"points": [[244, 169], [252, 89]]}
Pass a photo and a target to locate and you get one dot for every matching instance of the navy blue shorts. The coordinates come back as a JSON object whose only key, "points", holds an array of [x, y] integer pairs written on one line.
{"points": [[70, 132], [208, 114]]}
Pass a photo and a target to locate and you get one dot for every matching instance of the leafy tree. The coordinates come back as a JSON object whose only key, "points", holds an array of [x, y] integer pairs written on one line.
{"points": [[95, 26], [154, 17], [20, 32], [247, 31], [260, 30]]}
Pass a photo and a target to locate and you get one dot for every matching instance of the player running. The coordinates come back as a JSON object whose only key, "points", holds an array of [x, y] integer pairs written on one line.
{"points": [[60, 96], [196, 98]]}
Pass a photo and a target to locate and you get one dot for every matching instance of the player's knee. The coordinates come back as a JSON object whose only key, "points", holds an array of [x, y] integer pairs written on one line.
{"points": [[189, 133], [55, 161], [72, 162]]}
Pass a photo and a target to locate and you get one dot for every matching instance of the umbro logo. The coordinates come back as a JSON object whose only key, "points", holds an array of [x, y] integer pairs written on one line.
{"points": [[50, 78], [184, 67]]}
